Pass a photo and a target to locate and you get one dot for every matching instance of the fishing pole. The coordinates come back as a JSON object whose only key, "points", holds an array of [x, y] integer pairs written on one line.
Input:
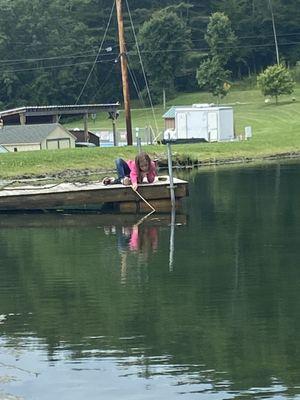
{"points": [[144, 200]]}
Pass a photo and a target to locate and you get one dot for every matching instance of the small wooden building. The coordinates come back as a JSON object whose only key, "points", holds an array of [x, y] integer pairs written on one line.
{"points": [[35, 137], [169, 118]]}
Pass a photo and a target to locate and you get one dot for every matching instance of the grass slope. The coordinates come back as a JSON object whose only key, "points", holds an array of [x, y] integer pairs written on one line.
{"points": [[276, 131]]}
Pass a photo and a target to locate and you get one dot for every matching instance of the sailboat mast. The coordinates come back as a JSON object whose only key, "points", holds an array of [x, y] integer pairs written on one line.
{"points": [[124, 70]]}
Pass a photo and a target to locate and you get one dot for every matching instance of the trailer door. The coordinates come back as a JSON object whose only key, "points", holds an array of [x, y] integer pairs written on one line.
{"points": [[212, 126], [197, 124], [181, 125]]}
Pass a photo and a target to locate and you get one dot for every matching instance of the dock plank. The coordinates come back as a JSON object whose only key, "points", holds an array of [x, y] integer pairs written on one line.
{"points": [[81, 194]]}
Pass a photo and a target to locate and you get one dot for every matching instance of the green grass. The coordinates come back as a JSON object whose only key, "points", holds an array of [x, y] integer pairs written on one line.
{"points": [[276, 131]]}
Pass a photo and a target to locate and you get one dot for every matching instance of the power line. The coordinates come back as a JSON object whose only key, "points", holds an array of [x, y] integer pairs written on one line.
{"points": [[143, 69], [100, 48], [104, 82], [253, 47], [58, 66], [91, 53]]}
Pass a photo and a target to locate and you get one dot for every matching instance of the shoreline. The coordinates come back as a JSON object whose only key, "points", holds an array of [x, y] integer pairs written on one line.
{"points": [[98, 173]]}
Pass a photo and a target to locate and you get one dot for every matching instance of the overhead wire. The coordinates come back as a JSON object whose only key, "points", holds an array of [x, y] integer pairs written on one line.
{"points": [[142, 52], [137, 88], [143, 69], [56, 66], [104, 82], [204, 49], [100, 48]]}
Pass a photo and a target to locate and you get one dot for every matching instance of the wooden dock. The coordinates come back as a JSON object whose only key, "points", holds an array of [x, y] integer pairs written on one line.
{"points": [[92, 196]]}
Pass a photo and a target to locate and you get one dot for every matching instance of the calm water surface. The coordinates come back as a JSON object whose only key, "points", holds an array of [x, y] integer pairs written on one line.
{"points": [[95, 307]]}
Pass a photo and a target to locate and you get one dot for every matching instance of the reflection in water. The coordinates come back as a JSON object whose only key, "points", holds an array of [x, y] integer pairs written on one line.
{"points": [[138, 238], [216, 316]]}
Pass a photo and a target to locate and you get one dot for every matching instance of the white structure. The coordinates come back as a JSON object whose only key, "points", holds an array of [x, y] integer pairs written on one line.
{"points": [[204, 122]]}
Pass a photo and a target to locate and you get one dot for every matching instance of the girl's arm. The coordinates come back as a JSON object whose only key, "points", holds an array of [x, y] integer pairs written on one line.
{"points": [[133, 172]]}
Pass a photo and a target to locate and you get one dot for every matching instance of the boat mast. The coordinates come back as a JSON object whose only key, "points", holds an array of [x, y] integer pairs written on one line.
{"points": [[124, 70]]}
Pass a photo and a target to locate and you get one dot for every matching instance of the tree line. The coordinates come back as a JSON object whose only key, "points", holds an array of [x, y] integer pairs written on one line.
{"points": [[50, 48]]}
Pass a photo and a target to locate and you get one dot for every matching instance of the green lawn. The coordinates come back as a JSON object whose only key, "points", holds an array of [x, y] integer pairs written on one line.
{"points": [[276, 130]]}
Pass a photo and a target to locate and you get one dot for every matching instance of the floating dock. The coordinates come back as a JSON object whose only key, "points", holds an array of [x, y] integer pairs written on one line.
{"points": [[86, 196]]}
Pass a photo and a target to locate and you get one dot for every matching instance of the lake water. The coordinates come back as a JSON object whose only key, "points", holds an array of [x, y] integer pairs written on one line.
{"points": [[95, 307]]}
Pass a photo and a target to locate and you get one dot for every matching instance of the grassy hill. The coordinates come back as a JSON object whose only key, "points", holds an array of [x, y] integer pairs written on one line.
{"points": [[276, 132]]}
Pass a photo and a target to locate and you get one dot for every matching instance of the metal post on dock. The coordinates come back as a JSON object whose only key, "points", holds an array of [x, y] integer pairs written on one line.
{"points": [[138, 140], [170, 168], [114, 131]]}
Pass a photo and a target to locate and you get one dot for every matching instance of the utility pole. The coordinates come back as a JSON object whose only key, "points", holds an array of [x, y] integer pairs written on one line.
{"points": [[125, 84], [274, 32]]}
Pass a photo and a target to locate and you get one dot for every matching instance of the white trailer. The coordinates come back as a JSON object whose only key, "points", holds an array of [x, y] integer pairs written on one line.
{"points": [[204, 122]]}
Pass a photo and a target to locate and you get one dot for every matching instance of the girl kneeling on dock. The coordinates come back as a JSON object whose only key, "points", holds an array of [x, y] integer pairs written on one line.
{"points": [[133, 172]]}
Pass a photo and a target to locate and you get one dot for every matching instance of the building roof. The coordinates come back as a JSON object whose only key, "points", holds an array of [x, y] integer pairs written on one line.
{"points": [[12, 134], [172, 111], [74, 109]]}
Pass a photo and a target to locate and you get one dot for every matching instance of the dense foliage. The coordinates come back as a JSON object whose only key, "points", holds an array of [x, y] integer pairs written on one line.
{"points": [[212, 73], [48, 48], [275, 81]]}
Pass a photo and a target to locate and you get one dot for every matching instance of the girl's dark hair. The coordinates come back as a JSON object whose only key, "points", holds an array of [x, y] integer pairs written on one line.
{"points": [[141, 157]]}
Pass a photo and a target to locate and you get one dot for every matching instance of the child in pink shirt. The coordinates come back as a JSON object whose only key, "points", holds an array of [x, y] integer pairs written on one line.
{"points": [[134, 172]]}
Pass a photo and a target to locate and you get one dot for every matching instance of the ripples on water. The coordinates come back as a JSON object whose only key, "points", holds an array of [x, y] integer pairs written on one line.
{"points": [[94, 307]]}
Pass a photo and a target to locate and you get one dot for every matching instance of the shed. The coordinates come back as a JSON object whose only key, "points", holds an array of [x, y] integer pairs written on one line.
{"points": [[169, 118], [3, 149], [36, 137], [203, 122]]}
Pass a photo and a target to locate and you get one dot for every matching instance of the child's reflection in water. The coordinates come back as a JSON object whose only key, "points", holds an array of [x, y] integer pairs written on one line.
{"points": [[137, 239]]}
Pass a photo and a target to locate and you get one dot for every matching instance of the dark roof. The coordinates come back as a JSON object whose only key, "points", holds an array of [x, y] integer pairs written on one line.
{"points": [[12, 134], [74, 109]]}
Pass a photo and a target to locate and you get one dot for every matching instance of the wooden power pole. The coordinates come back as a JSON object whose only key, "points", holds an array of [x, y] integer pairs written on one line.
{"points": [[124, 70]]}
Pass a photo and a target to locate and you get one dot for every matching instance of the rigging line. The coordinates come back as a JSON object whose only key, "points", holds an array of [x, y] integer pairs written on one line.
{"points": [[238, 38], [23, 60], [136, 85], [179, 41], [143, 70], [100, 48], [34, 60], [104, 82], [55, 66], [92, 52], [206, 49]]}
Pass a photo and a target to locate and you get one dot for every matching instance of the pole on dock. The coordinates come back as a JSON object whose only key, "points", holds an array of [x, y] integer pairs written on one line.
{"points": [[170, 168], [124, 70], [138, 140]]}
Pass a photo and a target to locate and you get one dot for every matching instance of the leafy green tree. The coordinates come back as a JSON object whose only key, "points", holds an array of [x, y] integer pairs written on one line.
{"points": [[275, 81], [220, 37], [213, 77], [165, 41], [212, 73]]}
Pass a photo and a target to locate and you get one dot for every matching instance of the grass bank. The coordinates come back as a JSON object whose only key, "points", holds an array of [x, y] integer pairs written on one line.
{"points": [[276, 133]]}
